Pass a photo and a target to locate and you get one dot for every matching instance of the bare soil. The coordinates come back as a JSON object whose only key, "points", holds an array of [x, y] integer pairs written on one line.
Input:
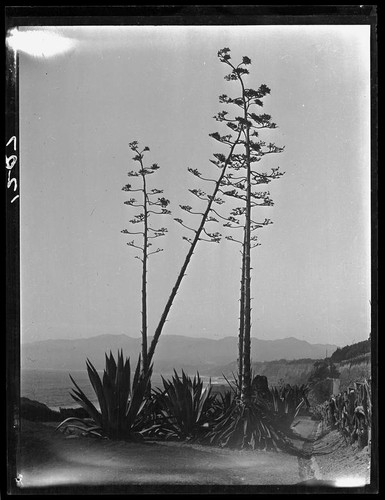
{"points": [[340, 461], [50, 459]]}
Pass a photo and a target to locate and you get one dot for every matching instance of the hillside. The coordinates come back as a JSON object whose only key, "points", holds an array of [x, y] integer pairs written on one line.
{"points": [[353, 370], [173, 351], [350, 352], [353, 362], [292, 372]]}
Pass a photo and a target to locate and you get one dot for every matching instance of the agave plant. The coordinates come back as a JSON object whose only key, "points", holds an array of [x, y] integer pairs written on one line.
{"points": [[243, 424], [287, 401], [222, 403], [121, 402], [185, 407], [255, 423], [247, 425]]}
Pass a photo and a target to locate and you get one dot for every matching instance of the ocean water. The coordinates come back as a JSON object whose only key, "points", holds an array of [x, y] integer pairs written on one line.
{"points": [[53, 387]]}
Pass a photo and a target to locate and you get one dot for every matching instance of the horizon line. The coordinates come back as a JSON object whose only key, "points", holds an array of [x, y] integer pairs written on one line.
{"points": [[187, 336]]}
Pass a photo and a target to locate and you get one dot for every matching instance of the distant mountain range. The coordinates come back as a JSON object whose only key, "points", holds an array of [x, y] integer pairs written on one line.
{"points": [[173, 351]]}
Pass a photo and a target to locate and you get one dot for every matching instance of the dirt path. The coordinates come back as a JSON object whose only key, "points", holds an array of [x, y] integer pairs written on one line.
{"points": [[49, 459], [340, 461], [308, 469], [330, 459]]}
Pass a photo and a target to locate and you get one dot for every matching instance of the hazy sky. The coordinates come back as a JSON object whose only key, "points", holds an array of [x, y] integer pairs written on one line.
{"points": [[160, 86]]}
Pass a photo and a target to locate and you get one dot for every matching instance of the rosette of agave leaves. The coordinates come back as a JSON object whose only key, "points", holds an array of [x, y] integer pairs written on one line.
{"points": [[122, 401], [255, 422], [185, 408]]}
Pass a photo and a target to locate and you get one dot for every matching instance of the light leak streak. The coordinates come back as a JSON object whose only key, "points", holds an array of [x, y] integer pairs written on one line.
{"points": [[350, 482], [39, 43]]}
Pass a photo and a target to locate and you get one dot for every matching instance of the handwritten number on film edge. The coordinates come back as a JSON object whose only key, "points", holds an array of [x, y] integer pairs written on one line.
{"points": [[10, 162]]}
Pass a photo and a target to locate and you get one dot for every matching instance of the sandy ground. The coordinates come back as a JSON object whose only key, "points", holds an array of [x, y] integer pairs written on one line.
{"points": [[339, 461], [51, 459]]}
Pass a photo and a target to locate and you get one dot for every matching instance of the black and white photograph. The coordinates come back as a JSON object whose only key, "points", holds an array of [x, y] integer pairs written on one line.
{"points": [[191, 225]]}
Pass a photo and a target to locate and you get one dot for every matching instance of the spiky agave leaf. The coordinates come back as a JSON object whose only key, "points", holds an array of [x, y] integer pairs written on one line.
{"points": [[84, 425], [79, 396], [97, 385], [137, 400], [247, 425], [120, 391], [82, 421], [121, 403], [111, 401], [111, 365], [185, 406], [222, 403], [286, 403]]}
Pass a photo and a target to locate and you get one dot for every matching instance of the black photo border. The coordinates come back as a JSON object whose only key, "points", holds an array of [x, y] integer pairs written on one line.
{"points": [[165, 15]]}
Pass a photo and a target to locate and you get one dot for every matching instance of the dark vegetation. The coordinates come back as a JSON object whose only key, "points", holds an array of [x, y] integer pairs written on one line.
{"points": [[122, 401], [39, 412], [334, 367], [322, 370], [351, 351], [350, 412], [184, 409]]}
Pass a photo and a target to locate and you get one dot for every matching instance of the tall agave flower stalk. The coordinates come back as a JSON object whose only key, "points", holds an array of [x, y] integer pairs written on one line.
{"points": [[242, 179], [249, 422], [121, 399], [142, 227]]}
